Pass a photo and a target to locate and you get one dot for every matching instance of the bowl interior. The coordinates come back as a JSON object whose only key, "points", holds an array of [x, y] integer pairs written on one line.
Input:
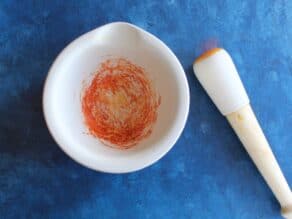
{"points": [[76, 65]]}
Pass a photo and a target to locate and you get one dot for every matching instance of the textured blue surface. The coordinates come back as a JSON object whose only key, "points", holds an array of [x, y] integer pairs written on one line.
{"points": [[207, 174]]}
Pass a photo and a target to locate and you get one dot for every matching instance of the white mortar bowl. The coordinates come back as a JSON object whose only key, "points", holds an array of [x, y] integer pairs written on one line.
{"points": [[76, 63]]}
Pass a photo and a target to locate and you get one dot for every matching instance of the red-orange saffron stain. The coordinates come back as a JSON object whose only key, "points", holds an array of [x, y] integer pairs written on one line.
{"points": [[120, 104]]}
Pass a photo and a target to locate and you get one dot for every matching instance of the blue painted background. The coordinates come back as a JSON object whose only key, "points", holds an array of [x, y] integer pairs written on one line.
{"points": [[207, 174]]}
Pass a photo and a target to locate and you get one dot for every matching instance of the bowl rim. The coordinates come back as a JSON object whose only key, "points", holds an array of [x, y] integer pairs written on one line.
{"points": [[65, 149]]}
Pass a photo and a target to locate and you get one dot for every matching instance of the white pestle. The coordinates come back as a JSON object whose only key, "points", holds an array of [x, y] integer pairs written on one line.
{"points": [[217, 74]]}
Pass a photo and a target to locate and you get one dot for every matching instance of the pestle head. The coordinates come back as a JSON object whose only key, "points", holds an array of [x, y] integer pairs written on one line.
{"points": [[218, 75]]}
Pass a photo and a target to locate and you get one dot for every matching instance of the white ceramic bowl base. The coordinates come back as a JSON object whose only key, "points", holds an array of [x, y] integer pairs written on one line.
{"points": [[76, 64]]}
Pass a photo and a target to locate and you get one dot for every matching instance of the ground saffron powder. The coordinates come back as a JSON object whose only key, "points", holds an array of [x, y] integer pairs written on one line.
{"points": [[120, 104]]}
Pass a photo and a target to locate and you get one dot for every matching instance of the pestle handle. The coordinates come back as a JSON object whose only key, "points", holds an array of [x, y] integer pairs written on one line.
{"points": [[248, 130]]}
